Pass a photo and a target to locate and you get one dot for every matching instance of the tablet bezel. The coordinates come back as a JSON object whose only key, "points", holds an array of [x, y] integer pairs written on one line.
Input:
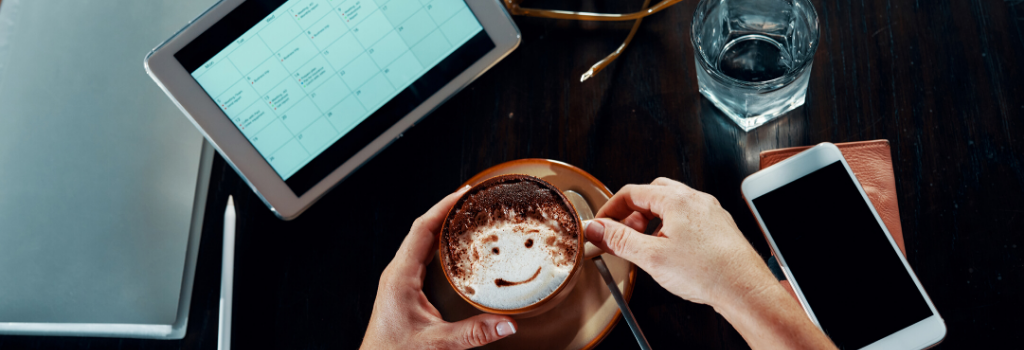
{"points": [[197, 105], [919, 335]]}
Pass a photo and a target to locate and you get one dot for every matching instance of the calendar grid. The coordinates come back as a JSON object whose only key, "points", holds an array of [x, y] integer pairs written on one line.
{"points": [[295, 86]]}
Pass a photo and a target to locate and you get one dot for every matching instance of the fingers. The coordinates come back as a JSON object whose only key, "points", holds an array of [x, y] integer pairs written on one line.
{"points": [[418, 246], [621, 240], [648, 200], [636, 221], [664, 181], [477, 331]]}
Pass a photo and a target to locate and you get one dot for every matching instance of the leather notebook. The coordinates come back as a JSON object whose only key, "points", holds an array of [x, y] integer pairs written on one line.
{"points": [[871, 162]]}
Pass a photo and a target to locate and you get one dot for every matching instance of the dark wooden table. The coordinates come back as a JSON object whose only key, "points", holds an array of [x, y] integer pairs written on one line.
{"points": [[941, 80]]}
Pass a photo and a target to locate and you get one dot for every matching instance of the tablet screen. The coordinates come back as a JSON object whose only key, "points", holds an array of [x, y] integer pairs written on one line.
{"points": [[298, 77]]}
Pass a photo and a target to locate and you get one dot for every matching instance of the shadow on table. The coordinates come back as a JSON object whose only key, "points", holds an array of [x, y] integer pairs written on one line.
{"points": [[738, 152], [733, 154]]}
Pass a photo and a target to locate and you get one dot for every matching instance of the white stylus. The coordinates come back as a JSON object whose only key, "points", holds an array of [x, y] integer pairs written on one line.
{"points": [[226, 278]]}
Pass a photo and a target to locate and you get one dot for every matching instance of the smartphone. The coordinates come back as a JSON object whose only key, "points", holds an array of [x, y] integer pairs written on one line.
{"points": [[847, 271]]}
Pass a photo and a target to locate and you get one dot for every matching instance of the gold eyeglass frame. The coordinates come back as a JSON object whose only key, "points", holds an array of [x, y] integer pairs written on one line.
{"points": [[514, 8]]}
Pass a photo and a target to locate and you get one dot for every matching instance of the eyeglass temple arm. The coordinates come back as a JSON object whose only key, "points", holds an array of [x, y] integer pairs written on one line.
{"points": [[513, 8], [597, 67]]}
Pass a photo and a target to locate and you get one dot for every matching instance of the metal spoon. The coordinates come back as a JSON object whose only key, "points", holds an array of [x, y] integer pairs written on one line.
{"points": [[583, 209]]}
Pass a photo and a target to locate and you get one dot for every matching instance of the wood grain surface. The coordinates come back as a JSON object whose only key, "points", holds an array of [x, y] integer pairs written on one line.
{"points": [[941, 80]]}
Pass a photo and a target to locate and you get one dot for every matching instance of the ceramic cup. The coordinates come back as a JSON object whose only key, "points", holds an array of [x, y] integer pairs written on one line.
{"points": [[548, 301]]}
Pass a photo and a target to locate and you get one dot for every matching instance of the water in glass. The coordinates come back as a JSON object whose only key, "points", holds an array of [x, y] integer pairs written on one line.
{"points": [[754, 57]]}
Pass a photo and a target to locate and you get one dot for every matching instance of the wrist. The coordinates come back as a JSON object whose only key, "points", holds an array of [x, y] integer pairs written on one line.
{"points": [[748, 279], [746, 293], [767, 316]]}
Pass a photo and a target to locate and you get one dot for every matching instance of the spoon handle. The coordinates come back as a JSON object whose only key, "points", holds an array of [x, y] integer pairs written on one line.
{"points": [[626, 313]]}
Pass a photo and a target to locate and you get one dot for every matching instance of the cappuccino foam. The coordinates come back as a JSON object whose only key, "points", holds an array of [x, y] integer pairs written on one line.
{"points": [[511, 244]]}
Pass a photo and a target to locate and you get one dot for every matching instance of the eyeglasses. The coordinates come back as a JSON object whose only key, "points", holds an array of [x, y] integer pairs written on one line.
{"points": [[514, 8]]}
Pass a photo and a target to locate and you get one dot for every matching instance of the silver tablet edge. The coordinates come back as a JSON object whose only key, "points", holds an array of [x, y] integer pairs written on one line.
{"points": [[281, 200], [173, 331]]}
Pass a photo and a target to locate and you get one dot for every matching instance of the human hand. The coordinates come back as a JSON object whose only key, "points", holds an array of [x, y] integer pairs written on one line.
{"points": [[402, 316], [698, 254]]}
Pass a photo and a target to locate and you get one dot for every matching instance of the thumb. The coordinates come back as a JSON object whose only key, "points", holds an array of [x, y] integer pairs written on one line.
{"points": [[619, 240], [478, 331]]}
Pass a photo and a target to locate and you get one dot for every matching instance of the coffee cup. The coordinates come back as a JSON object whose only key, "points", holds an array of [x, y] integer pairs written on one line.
{"points": [[512, 245]]}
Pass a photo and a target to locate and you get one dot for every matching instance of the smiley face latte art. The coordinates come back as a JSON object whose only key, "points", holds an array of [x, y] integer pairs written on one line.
{"points": [[510, 242]]}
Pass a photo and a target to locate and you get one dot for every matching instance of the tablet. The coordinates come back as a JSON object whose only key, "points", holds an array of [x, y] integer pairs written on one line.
{"points": [[297, 94], [846, 269]]}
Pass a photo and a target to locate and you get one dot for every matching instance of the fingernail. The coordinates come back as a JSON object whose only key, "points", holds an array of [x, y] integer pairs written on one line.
{"points": [[594, 230], [505, 328]]}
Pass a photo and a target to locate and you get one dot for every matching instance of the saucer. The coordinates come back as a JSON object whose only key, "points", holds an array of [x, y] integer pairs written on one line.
{"points": [[588, 313]]}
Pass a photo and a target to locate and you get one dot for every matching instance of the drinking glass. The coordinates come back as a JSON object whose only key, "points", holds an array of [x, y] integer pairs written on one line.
{"points": [[754, 57]]}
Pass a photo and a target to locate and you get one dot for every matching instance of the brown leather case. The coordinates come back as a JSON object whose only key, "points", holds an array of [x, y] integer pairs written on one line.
{"points": [[871, 162]]}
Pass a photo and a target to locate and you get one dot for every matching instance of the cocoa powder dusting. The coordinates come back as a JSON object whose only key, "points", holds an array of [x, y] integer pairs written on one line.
{"points": [[509, 197]]}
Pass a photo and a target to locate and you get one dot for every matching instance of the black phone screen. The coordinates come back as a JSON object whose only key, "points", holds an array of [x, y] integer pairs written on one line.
{"points": [[840, 257]]}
